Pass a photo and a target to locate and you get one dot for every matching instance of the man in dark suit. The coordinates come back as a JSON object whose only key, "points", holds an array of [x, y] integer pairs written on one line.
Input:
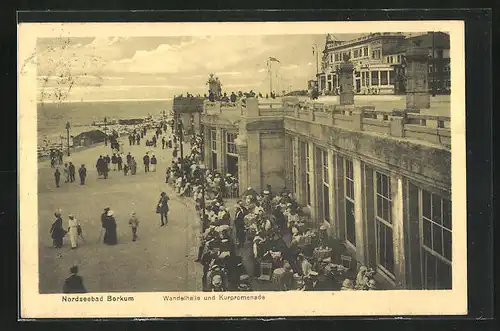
{"points": [[146, 163], [74, 283], [239, 223], [83, 174], [72, 171]]}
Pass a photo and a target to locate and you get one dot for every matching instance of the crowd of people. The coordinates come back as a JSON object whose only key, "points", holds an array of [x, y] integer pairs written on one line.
{"points": [[270, 239], [187, 176], [275, 245]]}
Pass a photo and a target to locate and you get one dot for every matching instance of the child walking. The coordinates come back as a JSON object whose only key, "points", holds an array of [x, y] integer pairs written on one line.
{"points": [[134, 224]]}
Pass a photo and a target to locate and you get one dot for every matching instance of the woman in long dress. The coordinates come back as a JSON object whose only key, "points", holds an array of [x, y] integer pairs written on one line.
{"points": [[110, 237], [162, 208], [73, 231], [57, 232]]}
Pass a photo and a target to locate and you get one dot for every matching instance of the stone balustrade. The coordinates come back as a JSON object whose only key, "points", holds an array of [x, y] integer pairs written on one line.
{"points": [[396, 123]]}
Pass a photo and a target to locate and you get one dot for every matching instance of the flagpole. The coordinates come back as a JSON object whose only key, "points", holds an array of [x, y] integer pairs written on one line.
{"points": [[270, 78]]}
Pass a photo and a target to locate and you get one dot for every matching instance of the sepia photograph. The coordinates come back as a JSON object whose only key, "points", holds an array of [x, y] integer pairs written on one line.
{"points": [[271, 165]]}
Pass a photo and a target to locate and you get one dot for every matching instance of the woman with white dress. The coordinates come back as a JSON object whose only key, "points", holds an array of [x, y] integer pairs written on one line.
{"points": [[73, 231]]}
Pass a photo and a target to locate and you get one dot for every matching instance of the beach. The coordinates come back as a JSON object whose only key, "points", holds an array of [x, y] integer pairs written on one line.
{"points": [[52, 117]]}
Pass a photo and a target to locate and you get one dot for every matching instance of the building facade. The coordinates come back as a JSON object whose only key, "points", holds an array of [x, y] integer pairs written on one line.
{"points": [[380, 177], [379, 62]]}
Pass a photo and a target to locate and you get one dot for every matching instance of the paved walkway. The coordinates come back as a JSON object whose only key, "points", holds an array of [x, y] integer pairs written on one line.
{"points": [[162, 259]]}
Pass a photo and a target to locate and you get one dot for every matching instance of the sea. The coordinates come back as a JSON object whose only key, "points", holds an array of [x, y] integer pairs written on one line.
{"points": [[52, 117]]}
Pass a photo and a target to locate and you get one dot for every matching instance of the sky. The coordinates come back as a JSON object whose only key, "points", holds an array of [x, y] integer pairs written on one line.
{"points": [[107, 68]]}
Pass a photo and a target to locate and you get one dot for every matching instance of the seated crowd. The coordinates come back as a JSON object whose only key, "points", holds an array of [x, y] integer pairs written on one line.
{"points": [[272, 234], [269, 243]]}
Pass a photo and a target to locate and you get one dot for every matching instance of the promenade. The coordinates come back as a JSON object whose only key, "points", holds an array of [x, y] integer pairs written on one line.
{"points": [[162, 258]]}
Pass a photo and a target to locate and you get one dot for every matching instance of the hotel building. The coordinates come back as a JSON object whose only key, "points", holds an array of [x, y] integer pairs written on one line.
{"points": [[380, 177], [379, 62]]}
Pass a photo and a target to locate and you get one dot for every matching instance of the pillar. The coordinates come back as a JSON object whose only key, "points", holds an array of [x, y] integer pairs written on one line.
{"points": [[417, 79], [208, 146], [398, 230], [312, 181], [370, 243], [254, 167], [196, 120], [340, 202], [242, 146], [332, 191], [221, 150], [242, 164], [359, 209], [346, 84], [299, 195]]}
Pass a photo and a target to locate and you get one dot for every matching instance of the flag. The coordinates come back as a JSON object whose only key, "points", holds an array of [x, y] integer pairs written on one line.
{"points": [[274, 59]]}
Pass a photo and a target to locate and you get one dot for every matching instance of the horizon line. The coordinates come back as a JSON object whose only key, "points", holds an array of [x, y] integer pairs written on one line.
{"points": [[101, 100]]}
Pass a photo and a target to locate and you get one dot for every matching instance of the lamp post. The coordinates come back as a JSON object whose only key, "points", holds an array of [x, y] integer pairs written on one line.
{"points": [[180, 130], [105, 131], [67, 134]]}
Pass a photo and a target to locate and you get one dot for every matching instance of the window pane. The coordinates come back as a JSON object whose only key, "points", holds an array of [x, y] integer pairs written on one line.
{"points": [[391, 77], [436, 209], [379, 207], [437, 244], [444, 280], [386, 210], [447, 214], [379, 183], [430, 275], [447, 244], [350, 222], [427, 232], [381, 242], [388, 187], [385, 190], [426, 204], [383, 78], [389, 250], [326, 204]]}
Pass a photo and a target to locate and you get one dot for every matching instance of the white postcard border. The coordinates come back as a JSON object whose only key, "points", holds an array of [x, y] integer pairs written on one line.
{"points": [[397, 302]]}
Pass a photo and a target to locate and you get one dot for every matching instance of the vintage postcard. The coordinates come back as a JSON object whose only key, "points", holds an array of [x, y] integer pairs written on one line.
{"points": [[242, 169]]}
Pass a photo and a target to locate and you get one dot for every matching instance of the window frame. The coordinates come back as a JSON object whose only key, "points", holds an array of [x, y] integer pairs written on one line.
{"points": [[348, 198], [383, 222], [213, 140], [429, 251], [308, 175], [231, 143]]}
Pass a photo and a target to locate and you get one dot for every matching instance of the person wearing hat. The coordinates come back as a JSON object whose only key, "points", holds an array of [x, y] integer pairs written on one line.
{"points": [[146, 162], [311, 280], [360, 277], [347, 285], [282, 277], [74, 283], [305, 265], [103, 217], [73, 231], [56, 230], [162, 208], [110, 237], [154, 161], [82, 173], [239, 223], [372, 285], [217, 284], [134, 224]]}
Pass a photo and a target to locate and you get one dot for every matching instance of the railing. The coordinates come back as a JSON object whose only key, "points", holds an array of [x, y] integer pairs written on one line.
{"points": [[271, 112], [396, 123]]}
